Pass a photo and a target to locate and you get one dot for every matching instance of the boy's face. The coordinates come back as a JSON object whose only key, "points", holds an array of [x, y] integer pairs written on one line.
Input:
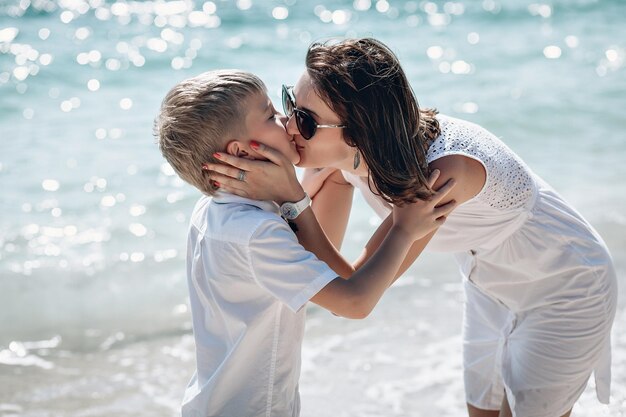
{"points": [[265, 125]]}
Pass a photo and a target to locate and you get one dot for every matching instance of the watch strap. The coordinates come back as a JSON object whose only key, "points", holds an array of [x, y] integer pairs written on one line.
{"points": [[291, 210]]}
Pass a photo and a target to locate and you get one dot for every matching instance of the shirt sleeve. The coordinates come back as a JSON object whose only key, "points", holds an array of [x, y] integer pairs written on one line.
{"points": [[283, 267]]}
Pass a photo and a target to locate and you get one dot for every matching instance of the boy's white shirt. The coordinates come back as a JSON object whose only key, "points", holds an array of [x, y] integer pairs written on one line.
{"points": [[248, 280]]}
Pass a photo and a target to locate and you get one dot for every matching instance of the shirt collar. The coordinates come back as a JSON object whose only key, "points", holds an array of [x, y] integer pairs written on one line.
{"points": [[222, 197]]}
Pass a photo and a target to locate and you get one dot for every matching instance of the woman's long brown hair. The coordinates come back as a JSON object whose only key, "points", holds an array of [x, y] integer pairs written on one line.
{"points": [[362, 82]]}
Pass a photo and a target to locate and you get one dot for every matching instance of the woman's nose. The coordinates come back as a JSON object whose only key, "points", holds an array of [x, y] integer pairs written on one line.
{"points": [[290, 125]]}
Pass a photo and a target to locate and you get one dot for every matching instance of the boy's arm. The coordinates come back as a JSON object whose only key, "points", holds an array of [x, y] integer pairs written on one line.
{"points": [[356, 297], [320, 229], [377, 238], [312, 237]]}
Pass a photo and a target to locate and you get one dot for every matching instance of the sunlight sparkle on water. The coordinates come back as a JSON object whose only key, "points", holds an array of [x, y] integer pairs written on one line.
{"points": [[44, 33], [137, 210], [543, 10], [156, 45], [434, 52], [611, 55], [115, 133], [461, 67], [93, 85], [473, 38], [137, 257], [198, 18], [280, 13], [341, 17], [468, 107], [113, 64], [126, 103], [382, 6], [552, 52], [45, 59], [439, 19], [8, 34], [572, 41], [362, 5], [82, 33], [137, 229], [50, 185], [209, 7], [100, 133], [66, 16], [244, 4], [326, 16], [20, 73], [107, 201], [454, 8]]}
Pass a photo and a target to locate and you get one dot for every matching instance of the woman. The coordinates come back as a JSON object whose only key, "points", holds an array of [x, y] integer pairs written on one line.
{"points": [[539, 281]]}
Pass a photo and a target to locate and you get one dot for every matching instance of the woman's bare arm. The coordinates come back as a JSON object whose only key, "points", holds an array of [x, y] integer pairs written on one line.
{"points": [[332, 203]]}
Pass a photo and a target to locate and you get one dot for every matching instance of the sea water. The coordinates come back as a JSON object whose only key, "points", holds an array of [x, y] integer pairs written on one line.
{"points": [[94, 319]]}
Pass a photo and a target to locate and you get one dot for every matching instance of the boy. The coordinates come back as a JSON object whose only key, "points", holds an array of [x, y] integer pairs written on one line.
{"points": [[248, 276]]}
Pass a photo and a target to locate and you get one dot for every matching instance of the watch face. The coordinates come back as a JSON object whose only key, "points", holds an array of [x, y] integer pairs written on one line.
{"points": [[288, 210], [291, 210]]}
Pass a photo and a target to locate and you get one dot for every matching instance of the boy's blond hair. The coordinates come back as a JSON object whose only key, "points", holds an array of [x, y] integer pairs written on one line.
{"points": [[197, 118]]}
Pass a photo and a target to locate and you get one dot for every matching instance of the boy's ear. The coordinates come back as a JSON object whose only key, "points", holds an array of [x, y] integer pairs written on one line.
{"points": [[237, 148]]}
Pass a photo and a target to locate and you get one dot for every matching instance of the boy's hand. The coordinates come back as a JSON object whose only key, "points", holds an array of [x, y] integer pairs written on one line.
{"points": [[273, 180], [422, 217]]}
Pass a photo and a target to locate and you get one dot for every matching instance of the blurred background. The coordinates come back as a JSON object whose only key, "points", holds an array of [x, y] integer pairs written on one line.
{"points": [[94, 318]]}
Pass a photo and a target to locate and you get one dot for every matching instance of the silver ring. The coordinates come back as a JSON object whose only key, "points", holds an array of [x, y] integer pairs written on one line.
{"points": [[242, 175]]}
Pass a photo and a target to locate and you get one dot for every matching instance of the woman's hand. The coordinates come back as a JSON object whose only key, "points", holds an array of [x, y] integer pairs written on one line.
{"points": [[422, 217], [274, 180]]}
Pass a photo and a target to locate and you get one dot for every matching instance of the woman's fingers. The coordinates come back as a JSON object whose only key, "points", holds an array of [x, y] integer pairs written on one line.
{"points": [[445, 209], [234, 161], [270, 153], [223, 169], [443, 190], [227, 181], [433, 177]]}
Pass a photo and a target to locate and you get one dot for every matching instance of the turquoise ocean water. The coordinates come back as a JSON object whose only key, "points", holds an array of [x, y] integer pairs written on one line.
{"points": [[93, 312]]}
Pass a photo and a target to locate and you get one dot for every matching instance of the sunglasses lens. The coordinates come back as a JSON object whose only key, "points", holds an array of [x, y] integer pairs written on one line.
{"points": [[288, 104], [306, 124]]}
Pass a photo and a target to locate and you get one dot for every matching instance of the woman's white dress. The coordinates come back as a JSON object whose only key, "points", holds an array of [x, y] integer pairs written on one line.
{"points": [[540, 284]]}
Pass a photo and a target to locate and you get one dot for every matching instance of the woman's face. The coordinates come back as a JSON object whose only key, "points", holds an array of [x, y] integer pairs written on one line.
{"points": [[326, 148]]}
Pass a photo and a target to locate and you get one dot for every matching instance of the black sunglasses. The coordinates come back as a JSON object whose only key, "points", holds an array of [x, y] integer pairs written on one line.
{"points": [[305, 122]]}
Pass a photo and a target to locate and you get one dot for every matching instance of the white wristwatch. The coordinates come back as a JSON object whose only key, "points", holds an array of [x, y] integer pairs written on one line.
{"points": [[292, 210]]}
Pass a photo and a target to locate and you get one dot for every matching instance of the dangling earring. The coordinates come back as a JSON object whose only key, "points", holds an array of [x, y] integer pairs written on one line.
{"points": [[357, 159]]}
